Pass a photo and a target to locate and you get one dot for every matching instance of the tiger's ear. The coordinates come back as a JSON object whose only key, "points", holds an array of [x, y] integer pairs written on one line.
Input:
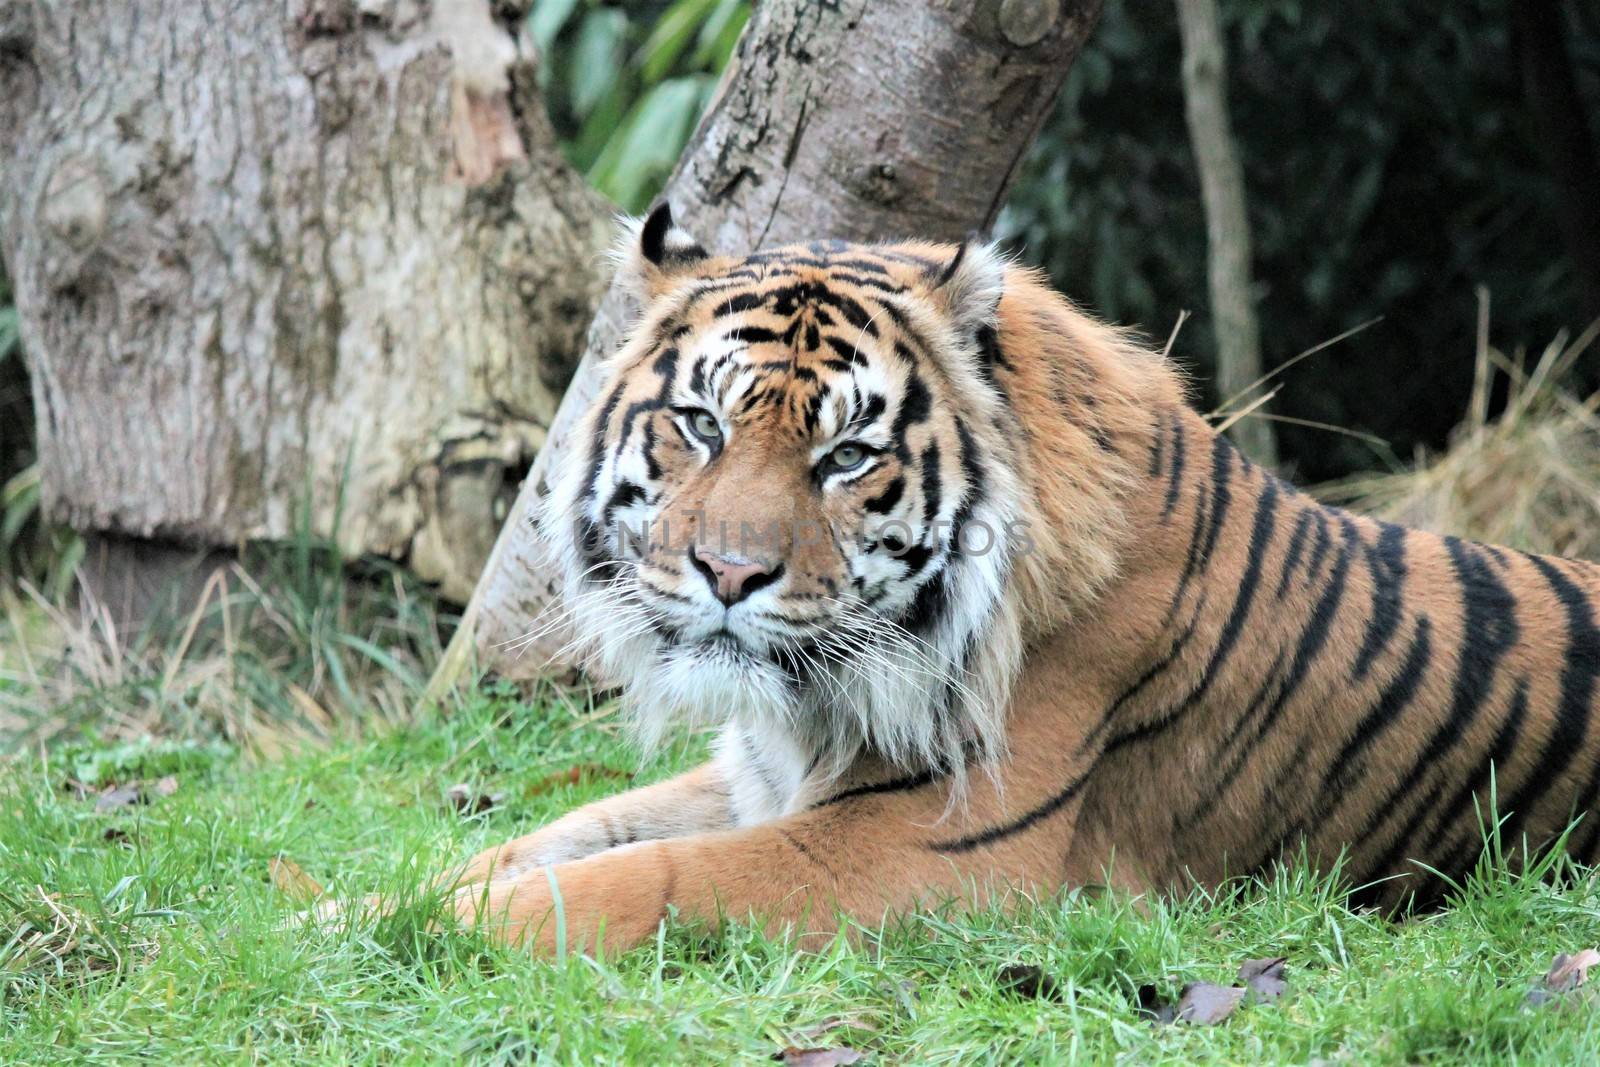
{"points": [[654, 253], [971, 283]]}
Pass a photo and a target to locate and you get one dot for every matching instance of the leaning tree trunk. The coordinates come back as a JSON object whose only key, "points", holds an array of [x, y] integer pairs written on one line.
{"points": [[862, 120], [279, 255], [1233, 313]]}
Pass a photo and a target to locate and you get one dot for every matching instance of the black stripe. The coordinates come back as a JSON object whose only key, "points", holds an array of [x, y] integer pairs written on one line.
{"points": [[1387, 564], [1488, 631], [928, 606], [739, 303], [1191, 559], [751, 335], [1222, 456], [1320, 548], [1571, 729], [1505, 742], [1313, 639], [972, 492], [1158, 449], [1320, 627], [930, 484], [624, 495], [1394, 699], [892, 785], [914, 408], [1175, 479], [885, 501], [1016, 826], [1260, 538], [848, 353], [990, 355], [1156, 670], [1297, 546], [1400, 844], [597, 442], [1186, 819], [857, 264]]}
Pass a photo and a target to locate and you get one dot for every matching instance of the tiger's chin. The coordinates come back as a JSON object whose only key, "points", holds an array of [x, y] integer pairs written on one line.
{"points": [[709, 682]]}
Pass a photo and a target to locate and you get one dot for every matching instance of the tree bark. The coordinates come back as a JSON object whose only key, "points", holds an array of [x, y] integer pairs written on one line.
{"points": [[864, 119], [273, 256], [1233, 315]]}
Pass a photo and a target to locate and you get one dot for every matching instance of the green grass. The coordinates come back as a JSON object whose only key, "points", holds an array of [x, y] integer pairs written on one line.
{"points": [[166, 939]]}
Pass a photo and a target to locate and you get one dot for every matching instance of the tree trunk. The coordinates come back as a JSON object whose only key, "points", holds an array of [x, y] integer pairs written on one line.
{"points": [[275, 256], [1233, 315], [864, 120], [1561, 128]]}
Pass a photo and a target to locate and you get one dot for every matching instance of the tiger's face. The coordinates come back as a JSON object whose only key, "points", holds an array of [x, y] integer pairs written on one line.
{"points": [[793, 504]]}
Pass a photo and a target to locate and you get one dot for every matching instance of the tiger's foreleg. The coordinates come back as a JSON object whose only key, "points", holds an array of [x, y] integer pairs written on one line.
{"points": [[861, 858], [694, 802]]}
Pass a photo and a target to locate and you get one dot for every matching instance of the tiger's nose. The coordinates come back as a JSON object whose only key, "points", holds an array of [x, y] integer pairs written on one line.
{"points": [[731, 577]]}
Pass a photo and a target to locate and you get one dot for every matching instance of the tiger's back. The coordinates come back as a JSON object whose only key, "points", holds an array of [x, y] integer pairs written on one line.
{"points": [[1320, 679]]}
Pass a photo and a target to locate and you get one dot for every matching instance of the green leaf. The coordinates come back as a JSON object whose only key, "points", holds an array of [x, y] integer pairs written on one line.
{"points": [[383, 659], [596, 57], [670, 37], [19, 501], [639, 157], [545, 20], [601, 125], [8, 331], [719, 35]]}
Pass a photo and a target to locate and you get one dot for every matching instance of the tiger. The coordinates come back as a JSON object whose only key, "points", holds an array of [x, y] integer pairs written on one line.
{"points": [[978, 608]]}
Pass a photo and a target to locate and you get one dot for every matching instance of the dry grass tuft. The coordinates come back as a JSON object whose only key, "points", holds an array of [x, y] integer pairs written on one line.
{"points": [[1529, 478], [52, 938], [285, 649]]}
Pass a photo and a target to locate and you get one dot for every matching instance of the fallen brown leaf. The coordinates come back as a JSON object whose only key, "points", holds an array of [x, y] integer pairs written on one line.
{"points": [[830, 1024], [1570, 972], [289, 879], [1263, 978], [1566, 974], [469, 801], [572, 776], [818, 1057], [1201, 1003], [1028, 982], [116, 797], [1206, 1003]]}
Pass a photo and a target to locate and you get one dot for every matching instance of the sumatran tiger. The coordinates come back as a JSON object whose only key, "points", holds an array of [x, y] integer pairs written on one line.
{"points": [[979, 604]]}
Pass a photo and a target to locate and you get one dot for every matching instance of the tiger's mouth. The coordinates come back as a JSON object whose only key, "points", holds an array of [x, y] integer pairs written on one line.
{"points": [[720, 644], [723, 648], [726, 642]]}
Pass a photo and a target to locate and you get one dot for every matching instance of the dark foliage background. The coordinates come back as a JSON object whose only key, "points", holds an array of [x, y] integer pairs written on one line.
{"points": [[1391, 164], [1390, 167]]}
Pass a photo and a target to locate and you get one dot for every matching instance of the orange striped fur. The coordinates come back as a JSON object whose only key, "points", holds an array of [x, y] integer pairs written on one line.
{"points": [[1187, 671]]}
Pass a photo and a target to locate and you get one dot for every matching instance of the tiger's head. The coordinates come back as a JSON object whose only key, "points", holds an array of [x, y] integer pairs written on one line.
{"points": [[796, 501]]}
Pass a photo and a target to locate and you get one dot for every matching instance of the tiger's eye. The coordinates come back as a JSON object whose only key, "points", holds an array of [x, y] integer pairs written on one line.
{"points": [[846, 456], [705, 424]]}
